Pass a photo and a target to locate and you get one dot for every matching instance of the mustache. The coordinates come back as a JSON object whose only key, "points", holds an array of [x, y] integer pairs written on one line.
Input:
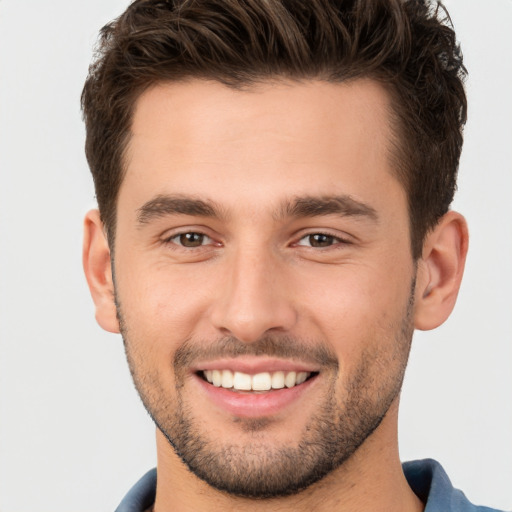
{"points": [[284, 347]]}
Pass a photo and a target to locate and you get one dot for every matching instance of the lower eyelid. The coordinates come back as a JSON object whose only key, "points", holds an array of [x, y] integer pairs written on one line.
{"points": [[335, 239], [207, 240], [174, 239]]}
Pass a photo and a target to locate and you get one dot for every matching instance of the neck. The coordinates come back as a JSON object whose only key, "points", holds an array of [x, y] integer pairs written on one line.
{"points": [[372, 479]]}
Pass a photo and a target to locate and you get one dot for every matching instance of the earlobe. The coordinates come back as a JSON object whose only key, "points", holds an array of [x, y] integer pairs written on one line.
{"points": [[440, 271], [98, 271]]}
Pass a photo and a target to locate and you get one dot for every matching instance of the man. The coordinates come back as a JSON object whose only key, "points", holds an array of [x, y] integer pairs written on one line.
{"points": [[274, 181]]}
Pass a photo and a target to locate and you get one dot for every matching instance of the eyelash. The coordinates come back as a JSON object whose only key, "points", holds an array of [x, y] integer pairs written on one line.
{"points": [[170, 239], [335, 240]]}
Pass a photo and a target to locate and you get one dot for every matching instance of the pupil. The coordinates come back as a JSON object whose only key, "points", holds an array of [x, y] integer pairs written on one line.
{"points": [[191, 239], [320, 240]]}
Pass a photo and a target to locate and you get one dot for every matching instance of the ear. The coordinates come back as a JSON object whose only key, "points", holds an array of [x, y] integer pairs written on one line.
{"points": [[440, 271], [98, 271]]}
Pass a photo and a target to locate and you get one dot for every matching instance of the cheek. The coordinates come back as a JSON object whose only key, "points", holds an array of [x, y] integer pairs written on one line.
{"points": [[160, 302], [358, 305]]}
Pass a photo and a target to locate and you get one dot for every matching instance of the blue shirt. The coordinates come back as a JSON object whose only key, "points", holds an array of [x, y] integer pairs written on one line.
{"points": [[426, 478]]}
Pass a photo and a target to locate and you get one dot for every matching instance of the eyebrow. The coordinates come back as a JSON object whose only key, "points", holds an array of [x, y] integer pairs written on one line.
{"points": [[304, 206], [163, 205], [313, 206]]}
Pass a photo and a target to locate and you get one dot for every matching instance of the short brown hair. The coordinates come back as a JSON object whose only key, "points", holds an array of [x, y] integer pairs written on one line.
{"points": [[407, 45]]}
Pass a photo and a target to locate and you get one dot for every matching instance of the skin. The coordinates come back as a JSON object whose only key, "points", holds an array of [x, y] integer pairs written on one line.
{"points": [[255, 275]]}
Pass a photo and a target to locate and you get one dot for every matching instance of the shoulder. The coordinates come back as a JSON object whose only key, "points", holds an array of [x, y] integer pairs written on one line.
{"points": [[426, 478], [431, 484], [141, 496]]}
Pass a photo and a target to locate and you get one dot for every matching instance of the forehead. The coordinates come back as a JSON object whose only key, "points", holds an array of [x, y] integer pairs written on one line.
{"points": [[192, 109], [276, 137]]}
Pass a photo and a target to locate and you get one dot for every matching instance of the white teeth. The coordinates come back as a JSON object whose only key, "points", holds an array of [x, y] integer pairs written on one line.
{"points": [[242, 381], [301, 377], [227, 379], [216, 378], [260, 382], [290, 379], [278, 380]]}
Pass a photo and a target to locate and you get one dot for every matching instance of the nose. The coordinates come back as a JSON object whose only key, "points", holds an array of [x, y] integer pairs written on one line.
{"points": [[253, 300]]}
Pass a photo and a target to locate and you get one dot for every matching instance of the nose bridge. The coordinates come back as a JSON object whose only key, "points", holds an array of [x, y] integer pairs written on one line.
{"points": [[253, 300]]}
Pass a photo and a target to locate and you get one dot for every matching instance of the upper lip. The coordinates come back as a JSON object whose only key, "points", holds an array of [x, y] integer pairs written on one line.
{"points": [[253, 365]]}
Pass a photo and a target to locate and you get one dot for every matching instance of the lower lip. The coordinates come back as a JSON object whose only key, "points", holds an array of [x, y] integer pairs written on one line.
{"points": [[256, 404]]}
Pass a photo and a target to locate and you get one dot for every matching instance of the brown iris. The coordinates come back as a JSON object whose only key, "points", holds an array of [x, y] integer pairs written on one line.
{"points": [[320, 240], [191, 239]]}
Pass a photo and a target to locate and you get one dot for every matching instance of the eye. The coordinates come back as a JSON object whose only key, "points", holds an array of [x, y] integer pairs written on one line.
{"points": [[319, 240], [190, 239]]}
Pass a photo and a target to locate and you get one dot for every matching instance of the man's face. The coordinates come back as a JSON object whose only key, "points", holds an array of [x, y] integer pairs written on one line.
{"points": [[262, 239]]}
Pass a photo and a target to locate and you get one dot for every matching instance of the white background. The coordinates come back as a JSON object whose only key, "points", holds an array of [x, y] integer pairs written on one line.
{"points": [[73, 435]]}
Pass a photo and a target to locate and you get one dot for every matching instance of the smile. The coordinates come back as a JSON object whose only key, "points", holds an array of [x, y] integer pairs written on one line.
{"points": [[255, 386], [264, 381]]}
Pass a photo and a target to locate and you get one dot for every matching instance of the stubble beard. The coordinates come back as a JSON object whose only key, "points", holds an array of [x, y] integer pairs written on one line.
{"points": [[260, 470]]}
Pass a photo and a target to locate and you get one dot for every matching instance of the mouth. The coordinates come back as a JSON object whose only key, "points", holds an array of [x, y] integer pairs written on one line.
{"points": [[257, 387], [237, 381]]}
